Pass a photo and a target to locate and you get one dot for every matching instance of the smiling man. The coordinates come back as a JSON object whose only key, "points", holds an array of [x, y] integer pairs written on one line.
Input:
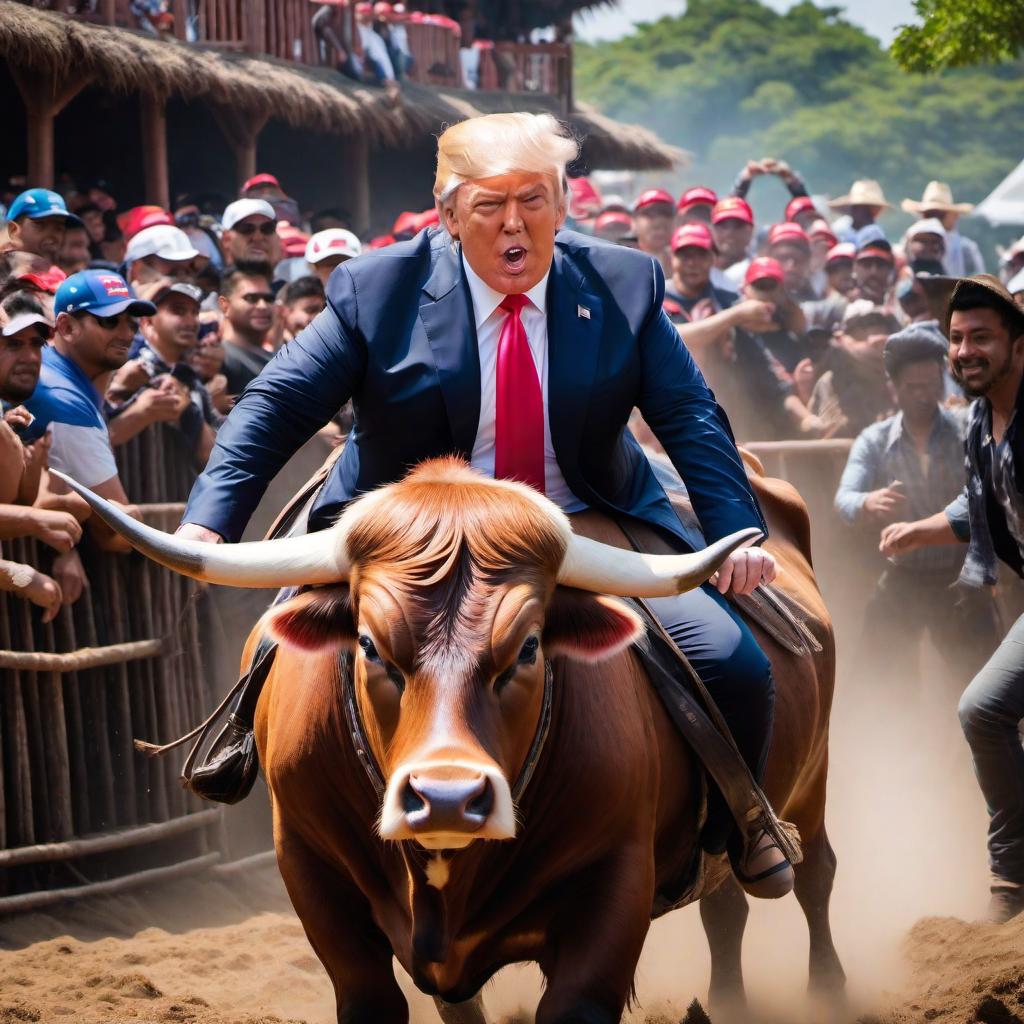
{"points": [[523, 348]]}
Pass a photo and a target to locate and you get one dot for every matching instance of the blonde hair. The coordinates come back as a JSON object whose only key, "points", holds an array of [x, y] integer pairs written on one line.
{"points": [[493, 144]]}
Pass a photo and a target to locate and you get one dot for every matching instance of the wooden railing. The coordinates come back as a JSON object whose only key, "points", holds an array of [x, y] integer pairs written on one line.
{"points": [[526, 67], [435, 52]]}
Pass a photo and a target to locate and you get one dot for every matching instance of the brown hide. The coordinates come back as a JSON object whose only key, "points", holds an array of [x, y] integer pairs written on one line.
{"points": [[609, 818]]}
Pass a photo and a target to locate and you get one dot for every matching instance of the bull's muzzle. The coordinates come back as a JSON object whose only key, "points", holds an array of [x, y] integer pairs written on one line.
{"points": [[446, 806]]}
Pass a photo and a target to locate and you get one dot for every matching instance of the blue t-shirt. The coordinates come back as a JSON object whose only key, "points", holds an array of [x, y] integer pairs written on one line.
{"points": [[66, 403]]}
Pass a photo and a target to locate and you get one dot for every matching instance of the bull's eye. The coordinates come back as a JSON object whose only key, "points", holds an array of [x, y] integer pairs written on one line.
{"points": [[369, 650], [528, 652]]}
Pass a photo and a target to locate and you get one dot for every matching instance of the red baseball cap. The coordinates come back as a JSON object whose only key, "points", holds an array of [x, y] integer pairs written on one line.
{"points": [[293, 241], [821, 229], [406, 221], [764, 268], [586, 200], [132, 221], [696, 234], [380, 241], [798, 205], [787, 231], [699, 195], [651, 197], [261, 179], [428, 219], [610, 217], [732, 208], [48, 282], [842, 251]]}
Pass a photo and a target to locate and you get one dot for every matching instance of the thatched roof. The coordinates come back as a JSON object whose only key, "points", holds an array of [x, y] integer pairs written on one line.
{"points": [[320, 99]]}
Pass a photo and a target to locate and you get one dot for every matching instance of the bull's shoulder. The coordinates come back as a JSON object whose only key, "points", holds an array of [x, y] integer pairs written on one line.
{"points": [[784, 510]]}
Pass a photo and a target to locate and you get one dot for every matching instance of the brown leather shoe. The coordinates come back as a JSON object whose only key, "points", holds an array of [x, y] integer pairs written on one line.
{"points": [[763, 869]]}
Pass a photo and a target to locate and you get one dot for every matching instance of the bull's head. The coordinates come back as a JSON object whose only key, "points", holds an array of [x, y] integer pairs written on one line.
{"points": [[445, 589]]}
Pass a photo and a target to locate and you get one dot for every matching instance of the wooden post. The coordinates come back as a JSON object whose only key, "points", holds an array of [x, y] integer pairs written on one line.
{"points": [[153, 113], [179, 8], [44, 98], [108, 9], [241, 129], [356, 181]]}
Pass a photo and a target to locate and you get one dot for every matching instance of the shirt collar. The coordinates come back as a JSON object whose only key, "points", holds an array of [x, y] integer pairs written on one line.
{"points": [[486, 300], [944, 421], [72, 373]]}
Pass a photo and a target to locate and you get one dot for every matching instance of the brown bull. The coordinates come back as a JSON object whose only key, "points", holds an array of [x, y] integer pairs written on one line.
{"points": [[450, 615]]}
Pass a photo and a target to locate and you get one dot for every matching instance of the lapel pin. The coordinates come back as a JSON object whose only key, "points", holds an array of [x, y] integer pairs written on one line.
{"points": [[583, 312]]}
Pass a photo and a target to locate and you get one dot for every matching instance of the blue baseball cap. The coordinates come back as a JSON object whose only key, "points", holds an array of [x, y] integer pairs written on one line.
{"points": [[101, 292], [38, 203]]}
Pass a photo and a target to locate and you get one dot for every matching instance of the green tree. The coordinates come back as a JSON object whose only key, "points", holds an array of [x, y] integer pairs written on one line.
{"points": [[731, 80], [960, 33]]}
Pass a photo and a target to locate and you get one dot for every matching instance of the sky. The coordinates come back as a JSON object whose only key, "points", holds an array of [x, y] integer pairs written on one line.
{"points": [[879, 17]]}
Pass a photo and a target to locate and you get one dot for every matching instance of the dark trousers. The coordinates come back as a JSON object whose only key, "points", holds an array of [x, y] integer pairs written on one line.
{"points": [[991, 711], [737, 674], [909, 604]]}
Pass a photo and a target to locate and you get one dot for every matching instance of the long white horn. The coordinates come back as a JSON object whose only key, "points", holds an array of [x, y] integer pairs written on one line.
{"points": [[603, 569], [290, 561]]}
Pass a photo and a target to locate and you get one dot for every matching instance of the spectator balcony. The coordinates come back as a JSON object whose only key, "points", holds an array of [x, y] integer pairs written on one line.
{"points": [[283, 29]]}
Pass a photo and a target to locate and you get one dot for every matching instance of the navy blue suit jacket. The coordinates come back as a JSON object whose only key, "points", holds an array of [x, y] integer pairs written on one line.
{"points": [[398, 338]]}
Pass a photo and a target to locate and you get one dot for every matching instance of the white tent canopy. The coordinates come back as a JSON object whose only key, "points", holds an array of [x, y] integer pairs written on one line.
{"points": [[1005, 205]]}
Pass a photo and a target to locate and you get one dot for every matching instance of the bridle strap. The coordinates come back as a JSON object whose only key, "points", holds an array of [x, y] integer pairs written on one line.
{"points": [[363, 751]]}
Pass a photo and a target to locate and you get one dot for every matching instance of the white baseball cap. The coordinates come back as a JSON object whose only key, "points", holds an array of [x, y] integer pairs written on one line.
{"points": [[927, 226], [242, 208], [163, 240], [332, 242]]}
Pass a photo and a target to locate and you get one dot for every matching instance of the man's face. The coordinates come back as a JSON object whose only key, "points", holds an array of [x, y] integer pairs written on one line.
{"points": [[926, 246], [865, 343], [93, 220], [947, 218], [301, 313], [325, 267], [176, 322], [653, 225], [861, 216], [981, 351], [873, 276], [43, 236], [840, 276], [253, 240], [699, 212], [805, 218], [732, 236], [153, 268], [796, 263], [74, 253], [250, 307], [691, 265], [21, 356], [97, 343], [918, 388], [507, 226]]}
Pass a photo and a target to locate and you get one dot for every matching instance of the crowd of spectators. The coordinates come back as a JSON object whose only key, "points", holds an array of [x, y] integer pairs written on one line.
{"points": [[816, 326]]}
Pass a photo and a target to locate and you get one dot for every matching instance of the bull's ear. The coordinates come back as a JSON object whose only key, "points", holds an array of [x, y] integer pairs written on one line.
{"points": [[317, 620], [588, 627]]}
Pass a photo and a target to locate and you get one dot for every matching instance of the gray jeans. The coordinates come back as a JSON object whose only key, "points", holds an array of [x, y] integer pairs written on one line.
{"points": [[991, 710]]}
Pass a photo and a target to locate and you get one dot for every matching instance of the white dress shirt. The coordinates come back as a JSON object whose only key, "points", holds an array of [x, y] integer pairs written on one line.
{"points": [[489, 320]]}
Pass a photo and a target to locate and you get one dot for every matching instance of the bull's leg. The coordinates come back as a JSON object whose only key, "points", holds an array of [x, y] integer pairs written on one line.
{"points": [[470, 1012], [814, 879], [337, 920], [724, 916], [594, 943]]}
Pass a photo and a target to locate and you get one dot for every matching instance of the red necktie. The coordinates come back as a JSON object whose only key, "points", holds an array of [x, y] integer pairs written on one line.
{"points": [[519, 419]]}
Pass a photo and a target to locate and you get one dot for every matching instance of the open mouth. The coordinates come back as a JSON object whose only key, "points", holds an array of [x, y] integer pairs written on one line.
{"points": [[514, 259]]}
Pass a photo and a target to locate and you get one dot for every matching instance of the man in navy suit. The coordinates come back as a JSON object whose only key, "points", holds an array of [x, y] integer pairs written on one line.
{"points": [[524, 349]]}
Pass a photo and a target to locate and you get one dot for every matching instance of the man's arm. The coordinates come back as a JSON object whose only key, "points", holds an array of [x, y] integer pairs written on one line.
{"points": [[299, 390], [946, 527], [681, 410], [856, 481]]}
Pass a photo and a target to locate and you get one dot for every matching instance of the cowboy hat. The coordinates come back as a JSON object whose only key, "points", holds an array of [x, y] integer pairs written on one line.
{"points": [[865, 192], [937, 196]]}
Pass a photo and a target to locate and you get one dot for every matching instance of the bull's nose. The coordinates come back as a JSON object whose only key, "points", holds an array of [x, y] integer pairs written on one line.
{"points": [[447, 805]]}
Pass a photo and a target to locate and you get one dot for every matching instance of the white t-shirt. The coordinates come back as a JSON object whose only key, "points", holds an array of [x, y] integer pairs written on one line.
{"points": [[489, 321]]}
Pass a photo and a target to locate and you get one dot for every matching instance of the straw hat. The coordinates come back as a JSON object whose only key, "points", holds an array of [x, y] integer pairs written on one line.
{"points": [[862, 193], [937, 196]]}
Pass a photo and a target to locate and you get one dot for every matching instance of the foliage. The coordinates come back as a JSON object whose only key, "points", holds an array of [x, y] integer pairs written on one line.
{"points": [[956, 34], [731, 80]]}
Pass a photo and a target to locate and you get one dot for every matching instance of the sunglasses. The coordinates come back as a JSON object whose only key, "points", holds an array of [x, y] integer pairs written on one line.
{"points": [[255, 297], [111, 323], [245, 230]]}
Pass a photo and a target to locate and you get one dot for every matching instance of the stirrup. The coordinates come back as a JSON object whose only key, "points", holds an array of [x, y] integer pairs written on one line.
{"points": [[765, 884]]}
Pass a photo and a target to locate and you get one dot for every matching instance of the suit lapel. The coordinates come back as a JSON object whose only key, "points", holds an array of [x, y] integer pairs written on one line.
{"points": [[445, 313], [574, 339]]}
